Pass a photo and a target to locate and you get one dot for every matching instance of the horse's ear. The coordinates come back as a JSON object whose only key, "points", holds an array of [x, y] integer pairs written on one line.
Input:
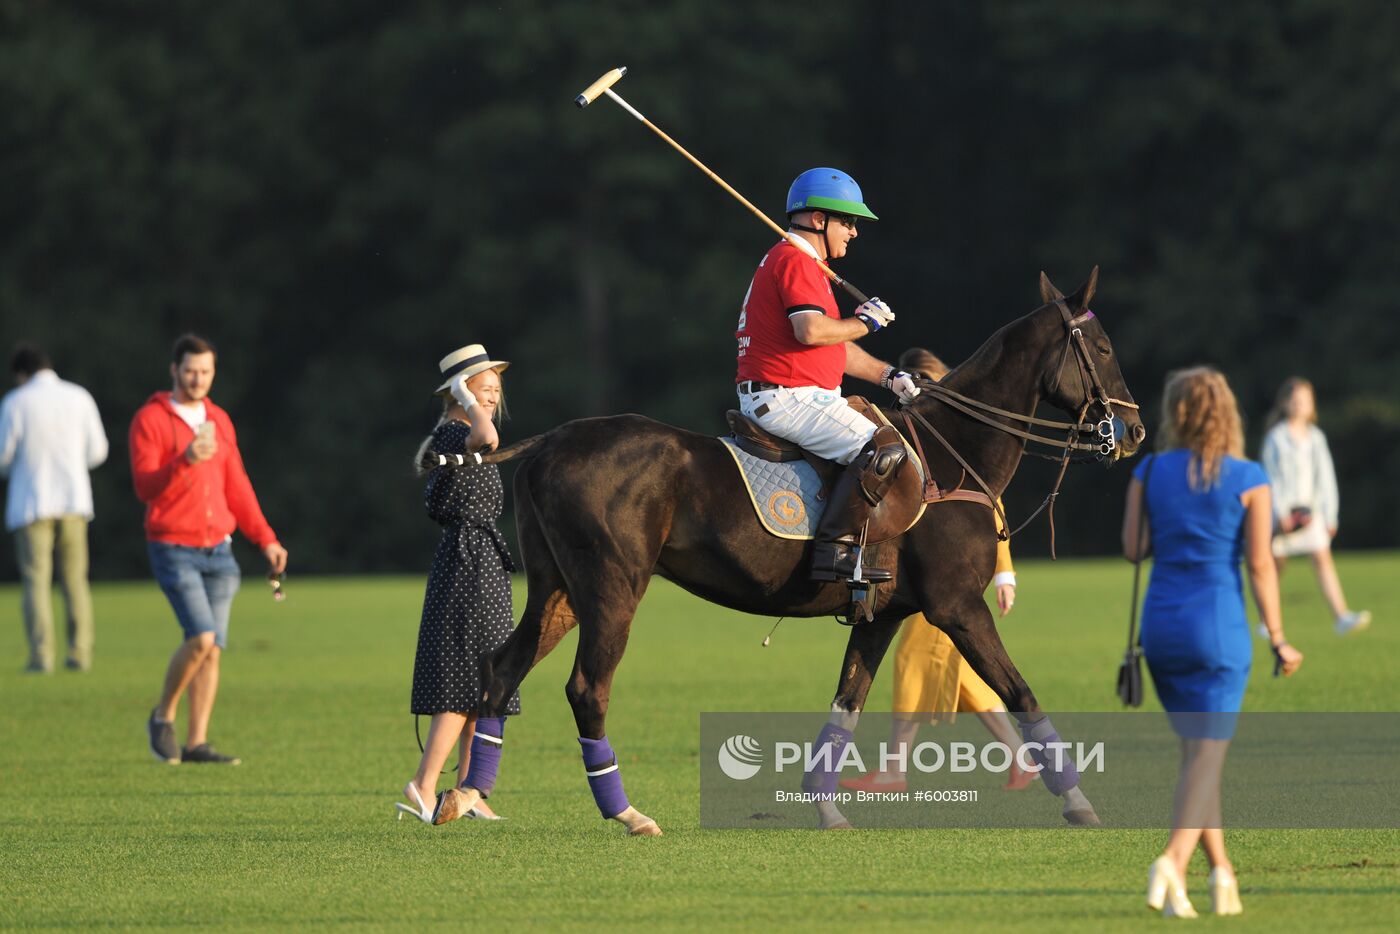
{"points": [[1081, 298], [1048, 292]]}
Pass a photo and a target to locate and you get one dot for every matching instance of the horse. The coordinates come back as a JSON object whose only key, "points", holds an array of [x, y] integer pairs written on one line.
{"points": [[603, 504]]}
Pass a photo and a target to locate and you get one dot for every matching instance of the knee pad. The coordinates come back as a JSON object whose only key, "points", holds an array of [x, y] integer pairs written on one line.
{"points": [[878, 469]]}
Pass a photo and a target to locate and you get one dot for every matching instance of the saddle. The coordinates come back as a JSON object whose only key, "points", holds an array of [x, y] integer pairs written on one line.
{"points": [[900, 508]]}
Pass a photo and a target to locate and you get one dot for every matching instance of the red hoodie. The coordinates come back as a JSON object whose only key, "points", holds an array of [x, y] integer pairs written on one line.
{"points": [[198, 505]]}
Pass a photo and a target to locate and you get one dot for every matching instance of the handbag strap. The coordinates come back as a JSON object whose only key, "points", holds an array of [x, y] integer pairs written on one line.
{"points": [[1133, 635]]}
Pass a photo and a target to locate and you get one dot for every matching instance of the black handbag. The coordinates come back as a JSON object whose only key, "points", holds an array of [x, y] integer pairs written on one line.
{"points": [[1130, 671]]}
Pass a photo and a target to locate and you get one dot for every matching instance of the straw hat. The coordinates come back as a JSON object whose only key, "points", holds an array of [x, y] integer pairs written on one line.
{"points": [[469, 360]]}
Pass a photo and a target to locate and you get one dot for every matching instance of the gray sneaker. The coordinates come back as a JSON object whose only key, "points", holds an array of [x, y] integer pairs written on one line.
{"points": [[207, 754], [162, 736]]}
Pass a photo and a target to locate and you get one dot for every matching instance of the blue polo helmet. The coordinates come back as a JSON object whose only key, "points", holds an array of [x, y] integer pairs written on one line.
{"points": [[827, 190]]}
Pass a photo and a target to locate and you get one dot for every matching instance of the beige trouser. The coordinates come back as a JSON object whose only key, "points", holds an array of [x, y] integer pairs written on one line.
{"points": [[34, 545]]}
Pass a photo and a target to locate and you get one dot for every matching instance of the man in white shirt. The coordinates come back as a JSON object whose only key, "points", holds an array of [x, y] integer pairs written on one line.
{"points": [[50, 437]]}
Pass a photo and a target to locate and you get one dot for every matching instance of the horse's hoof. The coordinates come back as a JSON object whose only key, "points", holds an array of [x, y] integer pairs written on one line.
{"points": [[1082, 817], [454, 803], [843, 825], [645, 829]]}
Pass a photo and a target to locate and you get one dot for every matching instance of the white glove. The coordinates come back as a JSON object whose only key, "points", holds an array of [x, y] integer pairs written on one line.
{"points": [[876, 314], [461, 393], [900, 383]]}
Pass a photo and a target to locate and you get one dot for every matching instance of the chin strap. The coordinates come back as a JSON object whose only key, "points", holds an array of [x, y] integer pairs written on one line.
{"points": [[826, 244]]}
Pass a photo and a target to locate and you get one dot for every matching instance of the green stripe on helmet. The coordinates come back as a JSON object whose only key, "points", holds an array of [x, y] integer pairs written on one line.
{"points": [[840, 206]]}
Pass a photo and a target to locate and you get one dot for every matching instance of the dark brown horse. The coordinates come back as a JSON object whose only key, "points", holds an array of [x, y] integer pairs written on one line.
{"points": [[602, 504]]}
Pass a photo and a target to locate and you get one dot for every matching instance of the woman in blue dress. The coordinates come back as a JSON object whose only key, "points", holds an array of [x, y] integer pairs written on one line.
{"points": [[1207, 509]]}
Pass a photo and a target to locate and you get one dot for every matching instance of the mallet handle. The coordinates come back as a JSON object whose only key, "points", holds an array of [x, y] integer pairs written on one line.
{"points": [[830, 273], [590, 93]]}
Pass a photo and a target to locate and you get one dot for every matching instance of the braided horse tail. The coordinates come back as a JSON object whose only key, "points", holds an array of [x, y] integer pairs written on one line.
{"points": [[431, 459], [512, 451]]}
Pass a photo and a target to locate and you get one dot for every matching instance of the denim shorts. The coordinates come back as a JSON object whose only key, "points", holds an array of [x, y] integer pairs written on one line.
{"points": [[199, 583]]}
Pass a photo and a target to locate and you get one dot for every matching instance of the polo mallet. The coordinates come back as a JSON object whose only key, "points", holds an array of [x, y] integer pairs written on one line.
{"points": [[604, 86]]}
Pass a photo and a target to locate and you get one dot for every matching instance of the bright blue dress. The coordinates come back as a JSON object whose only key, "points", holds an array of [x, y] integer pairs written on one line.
{"points": [[1195, 635]]}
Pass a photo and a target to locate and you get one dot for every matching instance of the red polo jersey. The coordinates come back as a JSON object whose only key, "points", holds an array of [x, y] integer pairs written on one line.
{"points": [[787, 283], [198, 505]]}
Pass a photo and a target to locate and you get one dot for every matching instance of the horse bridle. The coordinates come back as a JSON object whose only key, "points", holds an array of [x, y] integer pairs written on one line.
{"points": [[1094, 392], [1104, 431]]}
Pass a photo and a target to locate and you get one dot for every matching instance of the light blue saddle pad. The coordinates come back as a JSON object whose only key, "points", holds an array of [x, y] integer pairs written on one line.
{"points": [[784, 495]]}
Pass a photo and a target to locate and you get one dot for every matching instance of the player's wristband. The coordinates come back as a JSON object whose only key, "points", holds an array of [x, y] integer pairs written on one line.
{"points": [[871, 324]]}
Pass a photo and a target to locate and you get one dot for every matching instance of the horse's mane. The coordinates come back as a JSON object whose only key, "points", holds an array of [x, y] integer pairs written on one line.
{"points": [[990, 347]]}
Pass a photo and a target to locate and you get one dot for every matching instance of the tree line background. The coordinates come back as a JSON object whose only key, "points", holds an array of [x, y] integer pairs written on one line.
{"points": [[339, 193]]}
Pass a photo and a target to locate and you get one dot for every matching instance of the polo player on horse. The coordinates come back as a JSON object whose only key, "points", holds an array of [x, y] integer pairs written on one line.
{"points": [[794, 348]]}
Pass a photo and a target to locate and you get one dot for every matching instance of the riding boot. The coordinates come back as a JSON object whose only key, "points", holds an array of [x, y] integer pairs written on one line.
{"points": [[854, 497]]}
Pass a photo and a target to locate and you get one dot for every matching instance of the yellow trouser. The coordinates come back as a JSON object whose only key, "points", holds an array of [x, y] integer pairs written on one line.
{"points": [[932, 682], [34, 546]]}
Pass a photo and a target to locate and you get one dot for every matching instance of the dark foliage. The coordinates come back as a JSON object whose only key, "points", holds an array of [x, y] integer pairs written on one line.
{"points": [[339, 193]]}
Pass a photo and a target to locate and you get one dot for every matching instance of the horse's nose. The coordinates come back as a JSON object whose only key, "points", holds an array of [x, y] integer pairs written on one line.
{"points": [[1139, 434]]}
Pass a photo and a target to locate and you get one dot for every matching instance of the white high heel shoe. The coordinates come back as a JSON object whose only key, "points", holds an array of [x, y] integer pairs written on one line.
{"points": [[1224, 893], [1166, 892], [422, 812]]}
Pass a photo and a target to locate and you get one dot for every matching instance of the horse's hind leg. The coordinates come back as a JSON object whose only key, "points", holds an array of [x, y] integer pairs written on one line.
{"points": [[547, 619], [864, 650], [606, 601]]}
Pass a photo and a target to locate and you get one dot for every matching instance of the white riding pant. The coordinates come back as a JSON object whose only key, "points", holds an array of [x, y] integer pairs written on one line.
{"points": [[820, 420]]}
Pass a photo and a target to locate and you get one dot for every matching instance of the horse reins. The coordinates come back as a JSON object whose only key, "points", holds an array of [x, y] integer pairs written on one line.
{"points": [[1104, 430]]}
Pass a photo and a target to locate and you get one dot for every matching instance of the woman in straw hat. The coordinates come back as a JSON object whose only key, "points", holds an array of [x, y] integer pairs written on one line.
{"points": [[467, 608]]}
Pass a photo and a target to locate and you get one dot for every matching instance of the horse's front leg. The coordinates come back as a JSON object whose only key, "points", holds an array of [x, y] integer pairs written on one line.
{"points": [[969, 624], [864, 650]]}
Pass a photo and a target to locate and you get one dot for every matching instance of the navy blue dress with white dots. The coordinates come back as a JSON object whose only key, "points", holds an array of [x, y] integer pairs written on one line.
{"points": [[467, 608]]}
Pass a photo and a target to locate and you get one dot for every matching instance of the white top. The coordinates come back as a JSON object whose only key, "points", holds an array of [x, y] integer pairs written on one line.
{"points": [[50, 437], [1301, 473], [192, 415]]}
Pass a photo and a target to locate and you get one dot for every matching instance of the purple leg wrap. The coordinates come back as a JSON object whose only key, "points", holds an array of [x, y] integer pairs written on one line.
{"points": [[486, 754], [821, 779], [603, 777], [1057, 767]]}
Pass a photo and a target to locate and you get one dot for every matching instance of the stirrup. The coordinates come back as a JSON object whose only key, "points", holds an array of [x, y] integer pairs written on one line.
{"points": [[862, 585], [861, 609], [854, 556]]}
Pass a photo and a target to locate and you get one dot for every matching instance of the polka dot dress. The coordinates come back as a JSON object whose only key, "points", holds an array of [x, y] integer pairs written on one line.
{"points": [[467, 609]]}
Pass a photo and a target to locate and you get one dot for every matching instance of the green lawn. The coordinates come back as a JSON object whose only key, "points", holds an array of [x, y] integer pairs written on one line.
{"points": [[315, 693]]}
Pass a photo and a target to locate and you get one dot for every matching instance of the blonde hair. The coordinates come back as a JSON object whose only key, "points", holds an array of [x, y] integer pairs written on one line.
{"points": [[418, 469], [1279, 412], [1199, 413], [925, 362]]}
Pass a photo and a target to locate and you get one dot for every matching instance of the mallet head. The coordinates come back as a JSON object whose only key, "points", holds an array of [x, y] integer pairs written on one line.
{"points": [[590, 93]]}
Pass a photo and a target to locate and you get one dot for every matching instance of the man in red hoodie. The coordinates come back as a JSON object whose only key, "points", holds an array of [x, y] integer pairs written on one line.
{"points": [[187, 470]]}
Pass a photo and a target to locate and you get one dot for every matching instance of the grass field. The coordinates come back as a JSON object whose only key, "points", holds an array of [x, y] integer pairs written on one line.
{"points": [[93, 832]]}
